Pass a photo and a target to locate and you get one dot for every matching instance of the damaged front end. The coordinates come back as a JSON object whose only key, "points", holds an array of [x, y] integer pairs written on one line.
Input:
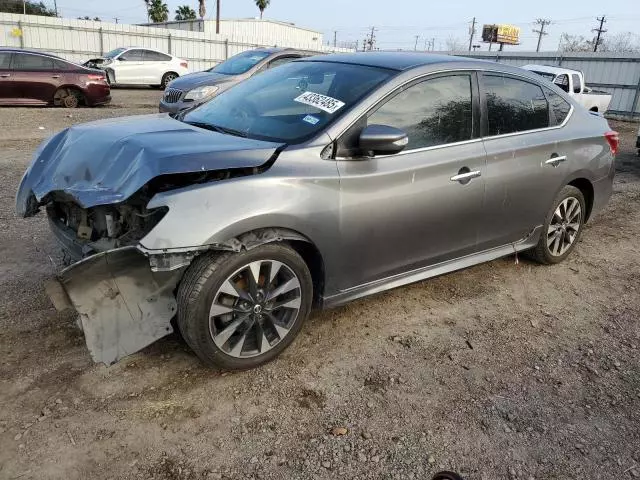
{"points": [[95, 182]]}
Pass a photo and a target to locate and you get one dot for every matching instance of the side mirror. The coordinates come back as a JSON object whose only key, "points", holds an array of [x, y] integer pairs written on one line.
{"points": [[383, 140]]}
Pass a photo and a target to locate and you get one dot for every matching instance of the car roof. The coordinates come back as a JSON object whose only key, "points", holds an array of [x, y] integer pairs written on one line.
{"points": [[35, 52], [548, 69], [394, 60]]}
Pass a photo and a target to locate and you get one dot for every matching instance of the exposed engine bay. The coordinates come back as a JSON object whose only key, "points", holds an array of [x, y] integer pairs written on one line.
{"points": [[84, 232]]}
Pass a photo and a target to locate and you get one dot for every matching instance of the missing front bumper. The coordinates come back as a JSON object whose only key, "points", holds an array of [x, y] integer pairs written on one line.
{"points": [[123, 305]]}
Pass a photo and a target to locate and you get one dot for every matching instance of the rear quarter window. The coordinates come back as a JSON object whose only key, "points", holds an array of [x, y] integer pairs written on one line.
{"points": [[560, 108]]}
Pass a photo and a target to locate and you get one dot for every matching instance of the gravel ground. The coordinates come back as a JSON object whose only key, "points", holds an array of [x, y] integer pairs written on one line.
{"points": [[505, 370]]}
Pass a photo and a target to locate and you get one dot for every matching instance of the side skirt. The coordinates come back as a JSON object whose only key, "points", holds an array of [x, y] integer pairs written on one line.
{"points": [[432, 271]]}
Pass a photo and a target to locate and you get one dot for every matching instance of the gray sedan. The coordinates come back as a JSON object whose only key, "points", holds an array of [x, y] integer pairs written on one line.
{"points": [[314, 184], [194, 89]]}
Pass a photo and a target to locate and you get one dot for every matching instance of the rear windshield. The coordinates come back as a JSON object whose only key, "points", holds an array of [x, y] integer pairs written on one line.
{"points": [[114, 53], [241, 63], [292, 102]]}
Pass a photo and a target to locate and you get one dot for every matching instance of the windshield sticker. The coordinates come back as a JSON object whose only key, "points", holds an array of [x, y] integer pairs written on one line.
{"points": [[327, 104], [311, 119]]}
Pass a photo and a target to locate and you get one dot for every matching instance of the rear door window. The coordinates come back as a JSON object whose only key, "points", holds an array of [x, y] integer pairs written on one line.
{"points": [[26, 61], [5, 60], [433, 112], [514, 105], [151, 56], [560, 108]]}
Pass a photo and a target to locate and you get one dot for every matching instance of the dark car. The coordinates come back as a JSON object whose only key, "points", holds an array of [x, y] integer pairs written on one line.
{"points": [[192, 90], [34, 78]]}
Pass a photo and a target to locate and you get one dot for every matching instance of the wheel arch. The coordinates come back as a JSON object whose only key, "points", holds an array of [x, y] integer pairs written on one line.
{"points": [[302, 244], [586, 187]]}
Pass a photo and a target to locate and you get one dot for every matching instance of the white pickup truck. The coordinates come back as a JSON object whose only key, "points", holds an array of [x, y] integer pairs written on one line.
{"points": [[572, 82]]}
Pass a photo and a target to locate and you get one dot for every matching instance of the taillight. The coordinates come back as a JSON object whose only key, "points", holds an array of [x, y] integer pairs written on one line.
{"points": [[184, 64], [613, 138], [93, 76]]}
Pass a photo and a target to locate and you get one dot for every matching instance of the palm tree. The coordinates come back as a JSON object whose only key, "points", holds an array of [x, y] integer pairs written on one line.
{"points": [[185, 12], [262, 4], [157, 10]]}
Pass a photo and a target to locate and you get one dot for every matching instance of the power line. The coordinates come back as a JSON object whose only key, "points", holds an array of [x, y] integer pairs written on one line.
{"points": [[543, 22], [600, 31]]}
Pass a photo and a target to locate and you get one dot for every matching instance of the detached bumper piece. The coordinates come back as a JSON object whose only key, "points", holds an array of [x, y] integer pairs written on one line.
{"points": [[123, 305]]}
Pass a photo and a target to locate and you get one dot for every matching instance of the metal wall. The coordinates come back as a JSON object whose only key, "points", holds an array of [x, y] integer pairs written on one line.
{"points": [[79, 40], [617, 74]]}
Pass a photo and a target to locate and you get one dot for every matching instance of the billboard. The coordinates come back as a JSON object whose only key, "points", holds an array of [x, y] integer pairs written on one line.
{"points": [[501, 33]]}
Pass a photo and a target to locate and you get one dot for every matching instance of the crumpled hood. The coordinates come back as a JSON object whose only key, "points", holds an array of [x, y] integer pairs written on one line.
{"points": [[107, 161], [201, 79]]}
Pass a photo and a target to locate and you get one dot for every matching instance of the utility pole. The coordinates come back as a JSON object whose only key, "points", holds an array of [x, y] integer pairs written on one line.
{"points": [[543, 22], [217, 16], [116, 19], [55, 6], [24, 7], [600, 32], [369, 40], [472, 32], [335, 38], [415, 47]]}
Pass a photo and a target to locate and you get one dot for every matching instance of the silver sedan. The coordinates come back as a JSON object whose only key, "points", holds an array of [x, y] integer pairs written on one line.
{"points": [[319, 182]]}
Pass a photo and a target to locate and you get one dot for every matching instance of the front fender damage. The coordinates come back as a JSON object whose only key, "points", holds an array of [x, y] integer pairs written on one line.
{"points": [[123, 305]]}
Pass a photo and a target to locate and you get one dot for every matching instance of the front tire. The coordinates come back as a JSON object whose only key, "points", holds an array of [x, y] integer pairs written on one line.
{"points": [[241, 310], [562, 228]]}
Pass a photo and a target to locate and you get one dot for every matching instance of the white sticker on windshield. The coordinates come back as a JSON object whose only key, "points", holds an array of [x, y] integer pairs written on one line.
{"points": [[311, 119], [327, 104]]}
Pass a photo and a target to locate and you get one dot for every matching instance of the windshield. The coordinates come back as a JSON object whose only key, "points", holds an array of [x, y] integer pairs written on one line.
{"points": [[289, 103], [114, 53], [548, 76], [241, 63]]}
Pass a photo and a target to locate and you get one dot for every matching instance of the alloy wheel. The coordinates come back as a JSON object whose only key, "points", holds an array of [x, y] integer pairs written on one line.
{"points": [[564, 226], [255, 308]]}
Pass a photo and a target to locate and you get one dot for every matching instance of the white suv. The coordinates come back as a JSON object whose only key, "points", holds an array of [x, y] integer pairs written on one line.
{"points": [[140, 66]]}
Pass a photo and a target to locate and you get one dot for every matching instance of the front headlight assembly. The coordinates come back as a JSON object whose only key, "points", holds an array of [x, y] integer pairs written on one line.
{"points": [[201, 93]]}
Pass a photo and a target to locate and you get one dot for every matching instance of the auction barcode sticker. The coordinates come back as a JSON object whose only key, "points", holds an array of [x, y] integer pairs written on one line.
{"points": [[327, 104]]}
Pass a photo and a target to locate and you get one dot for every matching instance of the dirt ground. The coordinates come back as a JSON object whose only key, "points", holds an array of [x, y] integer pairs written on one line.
{"points": [[504, 370]]}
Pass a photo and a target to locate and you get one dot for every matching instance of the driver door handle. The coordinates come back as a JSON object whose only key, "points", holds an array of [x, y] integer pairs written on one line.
{"points": [[55, 76], [466, 176], [555, 161], [5, 75]]}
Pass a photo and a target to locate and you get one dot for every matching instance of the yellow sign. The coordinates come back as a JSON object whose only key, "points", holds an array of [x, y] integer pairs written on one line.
{"points": [[16, 32], [501, 34], [508, 34]]}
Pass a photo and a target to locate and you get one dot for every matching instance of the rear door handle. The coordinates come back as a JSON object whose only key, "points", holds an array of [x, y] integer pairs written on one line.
{"points": [[555, 161], [464, 177], [55, 76], [5, 75]]}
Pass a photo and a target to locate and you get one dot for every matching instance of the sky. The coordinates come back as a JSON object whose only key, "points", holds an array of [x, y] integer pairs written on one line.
{"points": [[398, 23]]}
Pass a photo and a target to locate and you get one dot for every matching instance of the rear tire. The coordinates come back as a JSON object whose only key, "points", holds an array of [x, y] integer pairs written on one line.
{"points": [[562, 227], [168, 78], [68, 98], [241, 310]]}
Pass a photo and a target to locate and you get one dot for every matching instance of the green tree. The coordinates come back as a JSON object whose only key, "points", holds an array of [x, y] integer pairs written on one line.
{"points": [[157, 11], [185, 12], [262, 5], [32, 8]]}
